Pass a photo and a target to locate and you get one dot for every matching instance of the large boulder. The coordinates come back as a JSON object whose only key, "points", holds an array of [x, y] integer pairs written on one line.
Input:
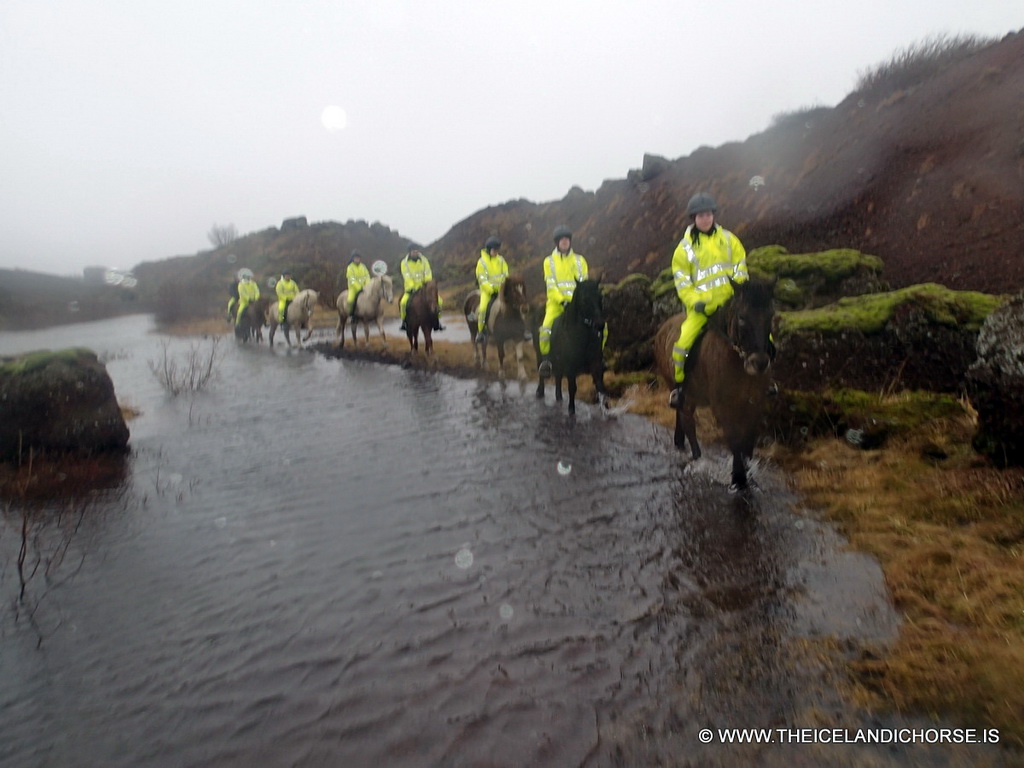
{"points": [[995, 384], [920, 337], [57, 403]]}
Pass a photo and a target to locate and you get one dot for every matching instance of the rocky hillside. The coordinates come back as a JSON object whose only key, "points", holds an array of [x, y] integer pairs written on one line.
{"points": [[921, 166], [925, 172]]}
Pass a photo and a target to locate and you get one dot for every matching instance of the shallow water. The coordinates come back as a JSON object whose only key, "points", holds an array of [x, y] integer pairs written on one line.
{"points": [[330, 562]]}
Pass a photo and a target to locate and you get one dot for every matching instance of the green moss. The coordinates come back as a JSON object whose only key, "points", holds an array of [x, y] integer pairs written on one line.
{"points": [[33, 361], [870, 313], [663, 284], [831, 266], [628, 280]]}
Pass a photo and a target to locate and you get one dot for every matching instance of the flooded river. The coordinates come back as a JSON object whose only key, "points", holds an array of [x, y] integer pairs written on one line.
{"points": [[323, 562]]}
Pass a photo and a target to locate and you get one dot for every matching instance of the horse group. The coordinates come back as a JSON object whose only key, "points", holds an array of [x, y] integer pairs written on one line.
{"points": [[263, 312]]}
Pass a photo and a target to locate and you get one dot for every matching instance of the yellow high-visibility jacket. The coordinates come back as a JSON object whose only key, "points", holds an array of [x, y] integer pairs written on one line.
{"points": [[702, 265], [358, 276], [561, 273], [491, 271], [286, 290], [415, 273]]}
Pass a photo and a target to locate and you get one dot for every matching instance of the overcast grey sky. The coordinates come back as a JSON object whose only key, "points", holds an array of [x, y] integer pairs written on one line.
{"points": [[128, 128]]}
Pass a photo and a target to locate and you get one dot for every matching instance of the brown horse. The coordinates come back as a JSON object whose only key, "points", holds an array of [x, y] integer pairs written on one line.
{"points": [[506, 321], [250, 324], [421, 313], [728, 369]]}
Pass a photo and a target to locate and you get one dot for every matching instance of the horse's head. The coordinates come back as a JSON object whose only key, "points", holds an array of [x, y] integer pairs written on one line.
{"points": [[749, 318], [513, 294], [309, 301], [388, 286], [587, 304]]}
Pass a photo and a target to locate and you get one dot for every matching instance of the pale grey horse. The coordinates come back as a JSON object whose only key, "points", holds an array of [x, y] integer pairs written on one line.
{"points": [[297, 317], [369, 309]]}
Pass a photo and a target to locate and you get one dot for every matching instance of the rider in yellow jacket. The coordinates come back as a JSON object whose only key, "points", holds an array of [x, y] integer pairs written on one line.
{"points": [[248, 292], [286, 290], [358, 276], [705, 259], [562, 269], [491, 272], [416, 272]]}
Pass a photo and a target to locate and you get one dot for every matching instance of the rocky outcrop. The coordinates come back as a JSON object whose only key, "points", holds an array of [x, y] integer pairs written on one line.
{"points": [[995, 385], [58, 403], [920, 337]]}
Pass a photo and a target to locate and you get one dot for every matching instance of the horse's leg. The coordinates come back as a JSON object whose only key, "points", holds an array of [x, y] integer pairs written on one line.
{"points": [[428, 340], [739, 470], [558, 385], [521, 369], [572, 394], [686, 415], [339, 331], [499, 345]]}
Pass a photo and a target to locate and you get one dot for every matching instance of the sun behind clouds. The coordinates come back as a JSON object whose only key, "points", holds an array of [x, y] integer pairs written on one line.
{"points": [[334, 118]]}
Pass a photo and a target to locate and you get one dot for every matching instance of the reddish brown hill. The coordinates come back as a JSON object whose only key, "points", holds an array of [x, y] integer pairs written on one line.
{"points": [[928, 177]]}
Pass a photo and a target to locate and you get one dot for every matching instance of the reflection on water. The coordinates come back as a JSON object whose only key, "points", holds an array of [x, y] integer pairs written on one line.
{"points": [[325, 562]]}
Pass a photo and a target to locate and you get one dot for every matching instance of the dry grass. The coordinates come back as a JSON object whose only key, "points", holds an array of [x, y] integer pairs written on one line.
{"points": [[948, 533]]}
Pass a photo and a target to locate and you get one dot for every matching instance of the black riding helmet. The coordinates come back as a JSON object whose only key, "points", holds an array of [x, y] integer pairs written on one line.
{"points": [[355, 255], [560, 232], [492, 242], [700, 203]]}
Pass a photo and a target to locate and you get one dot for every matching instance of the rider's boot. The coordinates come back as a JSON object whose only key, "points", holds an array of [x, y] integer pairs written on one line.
{"points": [[675, 397], [544, 369]]}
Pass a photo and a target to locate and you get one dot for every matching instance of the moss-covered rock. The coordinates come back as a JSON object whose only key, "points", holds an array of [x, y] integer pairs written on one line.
{"points": [[920, 337], [58, 402], [815, 279]]}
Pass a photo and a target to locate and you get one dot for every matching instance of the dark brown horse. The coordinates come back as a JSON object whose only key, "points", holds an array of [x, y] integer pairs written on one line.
{"points": [[576, 343], [421, 313], [506, 321], [728, 369], [250, 324]]}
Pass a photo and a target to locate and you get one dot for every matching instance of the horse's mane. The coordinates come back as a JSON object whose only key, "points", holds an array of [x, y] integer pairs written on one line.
{"points": [[508, 287]]}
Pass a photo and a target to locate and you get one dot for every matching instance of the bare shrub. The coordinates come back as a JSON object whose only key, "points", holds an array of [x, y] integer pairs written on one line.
{"points": [[192, 374], [222, 234], [919, 62]]}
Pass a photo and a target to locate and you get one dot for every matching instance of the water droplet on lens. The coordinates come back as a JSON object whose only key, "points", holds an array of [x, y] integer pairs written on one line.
{"points": [[506, 612], [564, 468], [463, 558], [220, 522]]}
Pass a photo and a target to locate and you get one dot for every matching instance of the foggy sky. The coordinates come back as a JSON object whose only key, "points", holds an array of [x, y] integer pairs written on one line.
{"points": [[128, 128]]}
